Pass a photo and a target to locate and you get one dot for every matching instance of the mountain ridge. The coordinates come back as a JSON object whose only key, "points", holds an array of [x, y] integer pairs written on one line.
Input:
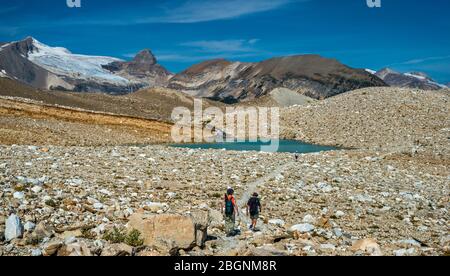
{"points": [[418, 80], [56, 68], [314, 76]]}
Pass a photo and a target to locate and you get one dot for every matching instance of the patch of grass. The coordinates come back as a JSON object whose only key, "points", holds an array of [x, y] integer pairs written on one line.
{"points": [[116, 235], [134, 238]]}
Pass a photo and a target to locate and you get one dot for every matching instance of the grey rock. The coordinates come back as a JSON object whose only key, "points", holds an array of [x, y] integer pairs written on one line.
{"points": [[302, 228], [14, 228]]}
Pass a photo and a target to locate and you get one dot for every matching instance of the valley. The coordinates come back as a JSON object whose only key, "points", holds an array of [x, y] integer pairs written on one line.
{"points": [[87, 172], [74, 176]]}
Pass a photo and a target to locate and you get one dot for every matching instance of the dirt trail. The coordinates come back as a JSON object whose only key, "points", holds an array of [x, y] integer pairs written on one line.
{"points": [[251, 188], [243, 221]]}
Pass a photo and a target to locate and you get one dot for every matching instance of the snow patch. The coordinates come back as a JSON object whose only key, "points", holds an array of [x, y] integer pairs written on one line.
{"points": [[422, 78], [373, 72], [3, 74], [415, 76], [61, 61], [4, 46]]}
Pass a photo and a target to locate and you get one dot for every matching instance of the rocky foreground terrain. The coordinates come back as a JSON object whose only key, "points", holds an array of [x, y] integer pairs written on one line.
{"points": [[69, 199], [386, 193]]}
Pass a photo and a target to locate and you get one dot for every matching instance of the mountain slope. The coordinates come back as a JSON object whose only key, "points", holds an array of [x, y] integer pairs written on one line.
{"points": [[280, 97], [57, 68], [152, 103], [404, 120], [408, 80], [312, 75]]}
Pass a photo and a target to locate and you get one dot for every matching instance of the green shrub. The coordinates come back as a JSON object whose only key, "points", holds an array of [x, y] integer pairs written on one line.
{"points": [[134, 238], [115, 235]]}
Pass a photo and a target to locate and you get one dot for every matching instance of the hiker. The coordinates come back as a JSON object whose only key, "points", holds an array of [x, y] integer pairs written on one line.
{"points": [[230, 210], [296, 156], [253, 210]]}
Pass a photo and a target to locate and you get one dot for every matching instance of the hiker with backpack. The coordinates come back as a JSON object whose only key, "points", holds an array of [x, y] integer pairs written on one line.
{"points": [[230, 210], [253, 210]]}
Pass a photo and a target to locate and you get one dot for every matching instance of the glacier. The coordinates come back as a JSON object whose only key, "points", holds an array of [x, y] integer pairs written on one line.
{"points": [[62, 62]]}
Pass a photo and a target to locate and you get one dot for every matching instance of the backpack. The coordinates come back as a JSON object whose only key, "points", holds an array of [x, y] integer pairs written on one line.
{"points": [[253, 205], [229, 208]]}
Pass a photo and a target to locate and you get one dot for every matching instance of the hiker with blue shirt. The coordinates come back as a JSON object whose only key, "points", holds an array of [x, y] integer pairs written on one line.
{"points": [[253, 210]]}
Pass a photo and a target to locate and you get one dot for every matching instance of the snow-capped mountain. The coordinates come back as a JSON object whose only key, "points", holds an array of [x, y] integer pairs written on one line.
{"points": [[410, 80], [46, 67], [62, 62]]}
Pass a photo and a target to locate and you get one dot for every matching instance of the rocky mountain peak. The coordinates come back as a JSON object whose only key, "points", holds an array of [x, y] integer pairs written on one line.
{"points": [[145, 57], [385, 71], [25, 46]]}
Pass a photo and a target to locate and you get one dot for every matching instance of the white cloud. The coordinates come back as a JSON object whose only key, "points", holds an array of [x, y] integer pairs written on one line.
{"points": [[211, 10], [190, 58], [181, 11], [421, 60], [222, 46]]}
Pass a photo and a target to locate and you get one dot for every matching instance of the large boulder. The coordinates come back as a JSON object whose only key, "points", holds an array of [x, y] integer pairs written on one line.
{"points": [[202, 220], [369, 246], [52, 247], [216, 218], [80, 249], [171, 231], [119, 249], [302, 228], [13, 228]]}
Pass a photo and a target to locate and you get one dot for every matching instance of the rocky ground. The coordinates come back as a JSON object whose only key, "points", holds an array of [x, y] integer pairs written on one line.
{"points": [[335, 203], [74, 182], [406, 121]]}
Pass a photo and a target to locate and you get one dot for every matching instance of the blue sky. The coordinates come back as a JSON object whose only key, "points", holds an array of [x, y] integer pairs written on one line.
{"points": [[407, 35]]}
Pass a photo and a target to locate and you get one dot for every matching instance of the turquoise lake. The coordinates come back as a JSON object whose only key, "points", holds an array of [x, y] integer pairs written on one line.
{"points": [[284, 146]]}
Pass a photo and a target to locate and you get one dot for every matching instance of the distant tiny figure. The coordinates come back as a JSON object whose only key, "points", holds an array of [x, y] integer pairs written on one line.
{"points": [[230, 209], [296, 156], [253, 209]]}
